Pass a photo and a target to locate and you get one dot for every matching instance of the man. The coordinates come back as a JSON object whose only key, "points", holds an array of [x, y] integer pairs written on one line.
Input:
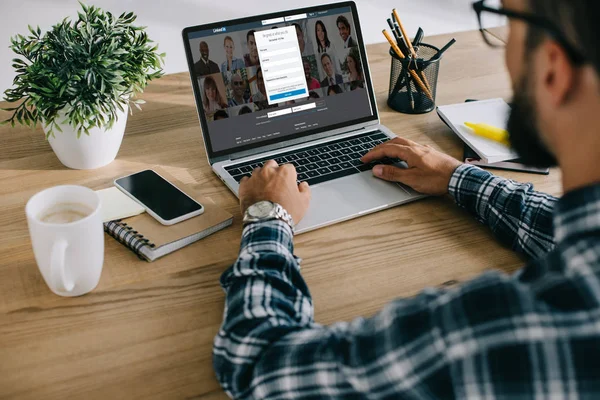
{"points": [[344, 29], [331, 77], [260, 98], [238, 89], [261, 95], [532, 335], [304, 50], [205, 66], [251, 58]]}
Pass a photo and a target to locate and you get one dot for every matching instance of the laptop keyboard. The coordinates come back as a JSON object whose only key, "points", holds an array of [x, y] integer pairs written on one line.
{"points": [[324, 162]]}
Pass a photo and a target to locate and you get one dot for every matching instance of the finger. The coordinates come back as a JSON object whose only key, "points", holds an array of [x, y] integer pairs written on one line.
{"points": [[304, 189], [402, 141], [256, 170], [388, 150], [289, 170], [398, 140], [392, 174], [244, 179], [270, 164]]}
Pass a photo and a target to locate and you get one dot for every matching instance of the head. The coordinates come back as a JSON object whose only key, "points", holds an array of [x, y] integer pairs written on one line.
{"points": [[306, 65], [210, 88], [554, 99], [353, 61], [220, 114], [327, 64], [252, 50], [238, 85], [229, 46], [204, 50], [343, 27], [300, 36], [321, 35], [260, 82], [244, 110]]}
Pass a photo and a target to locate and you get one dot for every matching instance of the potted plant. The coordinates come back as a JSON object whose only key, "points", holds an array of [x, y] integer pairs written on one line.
{"points": [[79, 80]]}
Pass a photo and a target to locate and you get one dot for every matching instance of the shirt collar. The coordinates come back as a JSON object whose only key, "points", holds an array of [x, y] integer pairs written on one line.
{"points": [[578, 213]]}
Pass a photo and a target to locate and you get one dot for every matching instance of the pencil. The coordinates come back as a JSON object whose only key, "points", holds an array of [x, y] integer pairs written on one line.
{"points": [[409, 45], [412, 73]]}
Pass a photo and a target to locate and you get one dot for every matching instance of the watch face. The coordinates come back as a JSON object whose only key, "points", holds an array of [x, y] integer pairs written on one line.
{"points": [[261, 209]]}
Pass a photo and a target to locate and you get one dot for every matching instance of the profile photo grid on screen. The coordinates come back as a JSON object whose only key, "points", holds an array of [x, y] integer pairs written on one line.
{"points": [[268, 79]]}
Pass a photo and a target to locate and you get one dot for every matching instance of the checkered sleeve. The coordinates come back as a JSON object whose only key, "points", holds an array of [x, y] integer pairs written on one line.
{"points": [[269, 347], [519, 216], [530, 335]]}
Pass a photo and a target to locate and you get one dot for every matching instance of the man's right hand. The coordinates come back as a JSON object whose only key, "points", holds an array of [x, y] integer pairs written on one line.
{"points": [[278, 184], [429, 171]]}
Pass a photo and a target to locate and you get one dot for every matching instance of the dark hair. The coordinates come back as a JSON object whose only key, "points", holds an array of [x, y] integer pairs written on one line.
{"points": [[259, 69], [357, 85], [327, 42], [209, 81], [325, 55], [576, 19], [313, 95], [336, 89], [250, 33], [220, 114], [353, 54], [343, 20], [244, 110], [297, 26]]}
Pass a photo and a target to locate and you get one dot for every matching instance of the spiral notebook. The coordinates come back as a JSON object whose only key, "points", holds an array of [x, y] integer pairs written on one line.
{"points": [[150, 240]]}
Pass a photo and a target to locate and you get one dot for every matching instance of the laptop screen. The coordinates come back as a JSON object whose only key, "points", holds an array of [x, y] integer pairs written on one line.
{"points": [[268, 79]]}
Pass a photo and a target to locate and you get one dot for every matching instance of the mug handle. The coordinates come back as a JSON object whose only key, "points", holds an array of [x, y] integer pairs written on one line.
{"points": [[57, 266]]}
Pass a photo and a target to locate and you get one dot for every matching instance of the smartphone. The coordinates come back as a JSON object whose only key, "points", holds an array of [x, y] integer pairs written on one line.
{"points": [[161, 199]]}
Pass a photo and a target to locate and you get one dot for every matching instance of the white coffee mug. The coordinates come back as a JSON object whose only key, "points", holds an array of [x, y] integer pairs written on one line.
{"points": [[69, 254]]}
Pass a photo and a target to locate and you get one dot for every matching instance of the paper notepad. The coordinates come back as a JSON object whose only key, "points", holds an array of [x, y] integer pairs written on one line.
{"points": [[116, 205], [494, 112], [149, 239]]}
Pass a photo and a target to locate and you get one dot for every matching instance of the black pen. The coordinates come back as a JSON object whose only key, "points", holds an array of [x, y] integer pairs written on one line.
{"points": [[401, 42], [418, 38], [442, 50]]}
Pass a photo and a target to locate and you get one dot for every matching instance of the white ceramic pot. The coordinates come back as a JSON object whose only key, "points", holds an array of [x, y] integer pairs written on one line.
{"points": [[95, 150]]}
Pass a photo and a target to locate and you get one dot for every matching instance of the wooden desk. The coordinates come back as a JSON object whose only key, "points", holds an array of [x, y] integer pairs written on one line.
{"points": [[146, 331]]}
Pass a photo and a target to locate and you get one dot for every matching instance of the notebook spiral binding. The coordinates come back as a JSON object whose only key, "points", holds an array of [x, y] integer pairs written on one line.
{"points": [[125, 234]]}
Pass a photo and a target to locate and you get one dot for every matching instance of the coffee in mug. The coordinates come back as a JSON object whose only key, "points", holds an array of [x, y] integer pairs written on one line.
{"points": [[65, 213], [67, 235]]}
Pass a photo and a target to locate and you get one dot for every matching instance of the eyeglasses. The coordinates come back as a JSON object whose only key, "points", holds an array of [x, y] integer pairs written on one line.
{"points": [[483, 12], [238, 83]]}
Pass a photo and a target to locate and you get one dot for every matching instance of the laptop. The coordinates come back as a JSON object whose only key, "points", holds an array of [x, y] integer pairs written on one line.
{"points": [[294, 86]]}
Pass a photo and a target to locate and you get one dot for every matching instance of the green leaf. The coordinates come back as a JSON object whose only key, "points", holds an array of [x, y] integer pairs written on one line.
{"points": [[84, 66]]}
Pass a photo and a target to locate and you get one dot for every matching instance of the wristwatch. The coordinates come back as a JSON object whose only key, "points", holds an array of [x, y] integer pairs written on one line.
{"points": [[267, 211]]}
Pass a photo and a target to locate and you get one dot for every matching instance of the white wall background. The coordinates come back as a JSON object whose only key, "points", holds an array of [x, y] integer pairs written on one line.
{"points": [[166, 18]]}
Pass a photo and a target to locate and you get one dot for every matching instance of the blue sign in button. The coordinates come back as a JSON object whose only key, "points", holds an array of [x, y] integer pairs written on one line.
{"points": [[287, 94]]}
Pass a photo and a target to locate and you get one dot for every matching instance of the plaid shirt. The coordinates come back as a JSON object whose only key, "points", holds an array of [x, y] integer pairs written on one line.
{"points": [[535, 334]]}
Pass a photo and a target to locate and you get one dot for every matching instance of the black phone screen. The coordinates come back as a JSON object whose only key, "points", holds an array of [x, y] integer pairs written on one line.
{"points": [[157, 194]]}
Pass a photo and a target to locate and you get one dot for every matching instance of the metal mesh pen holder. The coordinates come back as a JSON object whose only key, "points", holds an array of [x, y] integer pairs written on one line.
{"points": [[414, 98]]}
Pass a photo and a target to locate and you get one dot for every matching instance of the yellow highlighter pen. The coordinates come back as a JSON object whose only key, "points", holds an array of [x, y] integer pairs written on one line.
{"points": [[490, 132]]}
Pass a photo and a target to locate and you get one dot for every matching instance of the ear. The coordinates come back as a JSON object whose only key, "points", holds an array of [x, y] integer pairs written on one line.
{"points": [[556, 72]]}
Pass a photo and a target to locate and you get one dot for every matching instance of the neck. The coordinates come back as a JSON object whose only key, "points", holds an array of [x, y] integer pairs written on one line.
{"points": [[238, 98], [578, 149]]}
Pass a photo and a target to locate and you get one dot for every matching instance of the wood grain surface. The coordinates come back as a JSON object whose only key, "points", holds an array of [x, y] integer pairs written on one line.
{"points": [[146, 331]]}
